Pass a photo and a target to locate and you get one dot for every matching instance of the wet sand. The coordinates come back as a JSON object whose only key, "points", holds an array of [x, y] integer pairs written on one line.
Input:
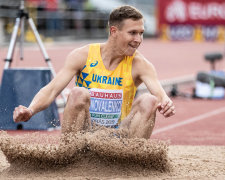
{"points": [[106, 155]]}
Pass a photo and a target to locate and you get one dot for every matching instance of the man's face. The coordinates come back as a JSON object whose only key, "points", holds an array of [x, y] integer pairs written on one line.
{"points": [[129, 36]]}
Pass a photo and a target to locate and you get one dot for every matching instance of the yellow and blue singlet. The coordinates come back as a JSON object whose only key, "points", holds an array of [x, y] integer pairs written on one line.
{"points": [[112, 92]]}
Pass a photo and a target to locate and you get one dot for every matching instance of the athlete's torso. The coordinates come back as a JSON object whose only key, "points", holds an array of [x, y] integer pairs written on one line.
{"points": [[112, 92]]}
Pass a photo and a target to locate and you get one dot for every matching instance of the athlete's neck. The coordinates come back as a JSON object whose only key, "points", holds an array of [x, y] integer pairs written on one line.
{"points": [[111, 56]]}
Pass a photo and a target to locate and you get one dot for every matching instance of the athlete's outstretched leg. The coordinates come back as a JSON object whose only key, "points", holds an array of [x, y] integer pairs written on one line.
{"points": [[76, 115], [141, 120]]}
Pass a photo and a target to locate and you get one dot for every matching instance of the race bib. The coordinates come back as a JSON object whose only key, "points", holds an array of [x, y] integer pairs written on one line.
{"points": [[106, 105]]}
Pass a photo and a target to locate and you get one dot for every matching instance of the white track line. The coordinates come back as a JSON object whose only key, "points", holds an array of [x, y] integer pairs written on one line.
{"points": [[190, 120]]}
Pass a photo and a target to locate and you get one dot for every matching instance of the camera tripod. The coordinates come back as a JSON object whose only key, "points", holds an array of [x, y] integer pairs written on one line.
{"points": [[19, 24]]}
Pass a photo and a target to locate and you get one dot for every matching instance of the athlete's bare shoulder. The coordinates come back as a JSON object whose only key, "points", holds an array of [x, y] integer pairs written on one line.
{"points": [[77, 58], [141, 66], [140, 62], [139, 58], [79, 53]]}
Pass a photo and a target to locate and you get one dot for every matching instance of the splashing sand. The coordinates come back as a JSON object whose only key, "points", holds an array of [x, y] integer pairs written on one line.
{"points": [[87, 153], [85, 159]]}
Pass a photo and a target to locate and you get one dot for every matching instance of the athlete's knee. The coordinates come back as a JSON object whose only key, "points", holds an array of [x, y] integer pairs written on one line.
{"points": [[79, 96], [147, 100], [147, 103]]}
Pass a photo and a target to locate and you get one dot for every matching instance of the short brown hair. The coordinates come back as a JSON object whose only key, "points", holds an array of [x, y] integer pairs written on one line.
{"points": [[122, 13]]}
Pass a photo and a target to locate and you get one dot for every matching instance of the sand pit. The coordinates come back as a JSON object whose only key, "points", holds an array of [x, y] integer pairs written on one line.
{"points": [[101, 152], [106, 155]]}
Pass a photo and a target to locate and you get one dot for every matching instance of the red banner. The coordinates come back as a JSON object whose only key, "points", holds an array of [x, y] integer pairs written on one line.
{"points": [[203, 12]]}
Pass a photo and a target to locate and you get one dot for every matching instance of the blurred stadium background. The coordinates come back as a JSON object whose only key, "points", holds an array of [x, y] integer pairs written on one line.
{"points": [[57, 20], [65, 19]]}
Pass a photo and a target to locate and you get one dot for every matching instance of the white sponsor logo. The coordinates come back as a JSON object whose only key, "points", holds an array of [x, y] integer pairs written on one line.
{"points": [[213, 10], [181, 11], [176, 11]]}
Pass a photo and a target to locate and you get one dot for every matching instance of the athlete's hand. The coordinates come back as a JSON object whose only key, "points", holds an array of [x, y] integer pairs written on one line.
{"points": [[166, 108], [22, 113]]}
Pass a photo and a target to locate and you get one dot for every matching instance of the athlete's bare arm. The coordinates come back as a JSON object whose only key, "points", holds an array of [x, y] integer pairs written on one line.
{"points": [[73, 64], [144, 71]]}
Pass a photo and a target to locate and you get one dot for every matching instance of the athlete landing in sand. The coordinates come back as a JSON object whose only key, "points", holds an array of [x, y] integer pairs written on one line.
{"points": [[107, 76]]}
